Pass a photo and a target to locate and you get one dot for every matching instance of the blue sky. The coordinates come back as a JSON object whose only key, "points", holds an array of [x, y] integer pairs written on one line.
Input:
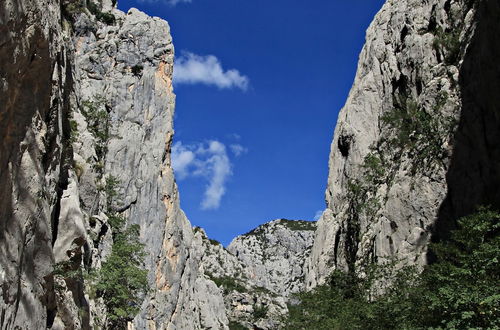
{"points": [[259, 85]]}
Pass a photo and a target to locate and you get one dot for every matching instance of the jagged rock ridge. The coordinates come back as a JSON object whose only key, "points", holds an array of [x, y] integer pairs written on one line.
{"points": [[259, 270]]}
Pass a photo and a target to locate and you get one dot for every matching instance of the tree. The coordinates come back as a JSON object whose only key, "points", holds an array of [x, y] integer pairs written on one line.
{"points": [[458, 291]]}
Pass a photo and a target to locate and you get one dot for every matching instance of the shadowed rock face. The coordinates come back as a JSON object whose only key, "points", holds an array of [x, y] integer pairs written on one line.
{"points": [[415, 144], [35, 80], [474, 174]]}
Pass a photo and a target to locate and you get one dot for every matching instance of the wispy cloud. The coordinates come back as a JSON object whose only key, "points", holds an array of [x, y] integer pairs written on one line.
{"points": [[318, 215], [195, 69], [238, 149], [208, 160]]}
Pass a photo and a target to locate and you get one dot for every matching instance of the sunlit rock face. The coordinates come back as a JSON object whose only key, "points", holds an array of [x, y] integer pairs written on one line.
{"points": [[63, 64], [415, 146], [274, 254], [259, 271]]}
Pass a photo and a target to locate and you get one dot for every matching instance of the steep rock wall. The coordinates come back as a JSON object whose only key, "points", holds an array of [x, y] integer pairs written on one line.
{"points": [[86, 128], [35, 81], [413, 147]]}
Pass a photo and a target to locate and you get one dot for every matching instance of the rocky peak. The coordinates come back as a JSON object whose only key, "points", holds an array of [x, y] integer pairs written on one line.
{"points": [[273, 254], [258, 270]]}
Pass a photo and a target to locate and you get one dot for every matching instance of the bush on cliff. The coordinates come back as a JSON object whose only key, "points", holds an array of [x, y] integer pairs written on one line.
{"points": [[121, 281], [458, 291]]}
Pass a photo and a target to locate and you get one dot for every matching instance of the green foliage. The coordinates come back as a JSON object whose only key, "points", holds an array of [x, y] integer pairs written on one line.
{"points": [[259, 311], [72, 8], [236, 326], [98, 124], [418, 133], [116, 221], [121, 281], [214, 242], [463, 284], [458, 291], [298, 224], [361, 192], [109, 188], [449, 42], [106, 18], [228, 284], [67, 270], [73, 125]]}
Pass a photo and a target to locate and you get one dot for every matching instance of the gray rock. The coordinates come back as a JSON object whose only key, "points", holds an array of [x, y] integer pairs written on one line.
{"points": [[418, 56], [258, 270], [273, 254]]}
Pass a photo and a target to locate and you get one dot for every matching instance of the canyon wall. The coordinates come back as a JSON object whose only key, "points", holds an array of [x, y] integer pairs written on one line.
{"points": [[414, 146], [87, 111]]}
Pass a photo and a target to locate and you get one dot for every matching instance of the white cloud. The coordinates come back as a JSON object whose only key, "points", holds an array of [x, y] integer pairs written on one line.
{"points": [[318, 215], [181, 159], [208, 160], [238, 149], [195, 69]]}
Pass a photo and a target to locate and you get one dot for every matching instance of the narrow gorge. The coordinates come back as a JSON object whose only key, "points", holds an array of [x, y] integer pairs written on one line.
{"points": [[86, 124]]}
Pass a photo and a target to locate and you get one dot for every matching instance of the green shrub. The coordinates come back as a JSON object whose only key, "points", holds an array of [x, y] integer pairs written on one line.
{"points": [[95, 10], [458, 291], [228, 284], [299, 224], [259, 311], [462, 289], [73, 125], [71, 9], [419, 133], [97, 119], [122, 281], [449, 42], [109, 188], [236, 326]]}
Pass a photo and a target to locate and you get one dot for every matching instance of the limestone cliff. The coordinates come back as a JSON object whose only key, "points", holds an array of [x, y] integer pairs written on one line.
{"points": [[87, 110], [259, 270], [35, 83], [415, 144]]}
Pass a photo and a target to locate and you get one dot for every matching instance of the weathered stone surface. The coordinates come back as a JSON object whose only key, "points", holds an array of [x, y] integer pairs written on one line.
{"points": [[418, 57], [258, 270], [126, 70], [35, 79], [274, 253], [56, 159]]}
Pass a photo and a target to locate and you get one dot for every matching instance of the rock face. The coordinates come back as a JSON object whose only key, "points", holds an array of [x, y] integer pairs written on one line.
{"points": [[259, 270], [274, 253], [35, 81], [87, 110], [414, 146]]}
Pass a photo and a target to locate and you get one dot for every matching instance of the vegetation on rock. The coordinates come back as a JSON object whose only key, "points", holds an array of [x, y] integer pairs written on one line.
{"points": [[458, 291]]}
